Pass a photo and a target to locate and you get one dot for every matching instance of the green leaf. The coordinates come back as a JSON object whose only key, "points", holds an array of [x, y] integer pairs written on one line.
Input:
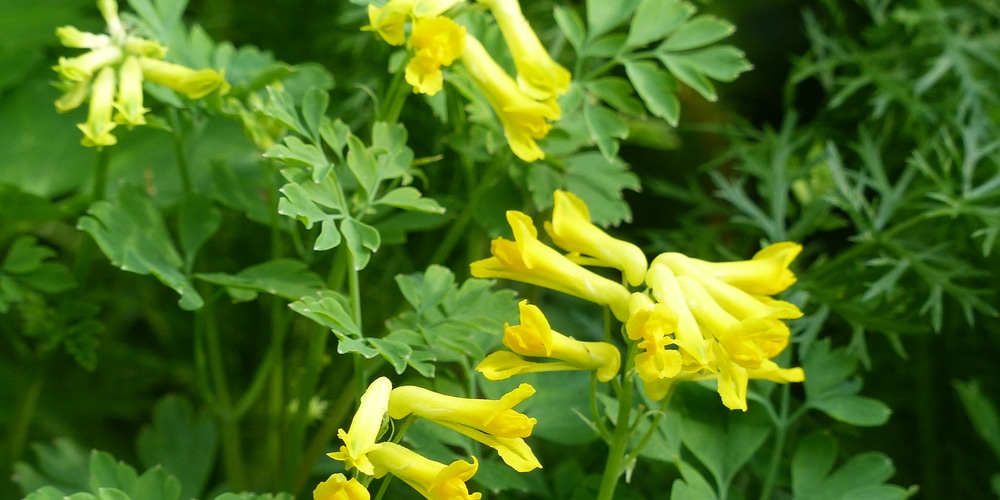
{"points": [[698, 32], [409, 198], [362, 164], [605, 15], [655, 19], [657, 88], [605, 128], [981, 412], [287, 278], [51, 493], [331, 309], [723, 63], [854, 410], [599, 182], [182, 442], [812, 461], [691, 486], [388, 138], [25, 256], [62, 464], [361, 346], [197, 221], [133, 236], [112, 494], [605, 46], [618, 94], [571, 25], [281, 107], [21, 210], [314, 105], [335, 135], [362, 240], [688, 72], [395, 352], [106, 472], [296, 152], [254, 496]]}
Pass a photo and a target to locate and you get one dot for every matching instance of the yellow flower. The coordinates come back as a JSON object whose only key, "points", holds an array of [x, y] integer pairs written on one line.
{"points": [[195, 84], [71, 37], [538, 75], [97, 129], [129, 103], [359, 440], [524, 119], [433, 480], [389, 21], [652, 324], [436, 42], [83, 67], [528, 260], [688, 336], [338, 487], [572, 230], [496, 417], [534, 337], [73, 97], [766, 273]]}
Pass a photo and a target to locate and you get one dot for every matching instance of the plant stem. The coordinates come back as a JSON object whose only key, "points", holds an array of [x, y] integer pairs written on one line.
{"points": [[84, 257], [22, 421], [459, 229], [337, 415], [395, 97], [178, 141], [615, 464], [781, 431], [228, 420]]}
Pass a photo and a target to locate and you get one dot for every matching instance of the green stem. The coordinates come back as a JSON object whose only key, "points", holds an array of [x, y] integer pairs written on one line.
{"points": [[459, 230], [85, 257], [314, 364], [615, 464], [25, 412], [178, 141], [232, 451], [395, 97], [781, 431], [354, 287], [637, 449], [320, 440], [595, 411]]}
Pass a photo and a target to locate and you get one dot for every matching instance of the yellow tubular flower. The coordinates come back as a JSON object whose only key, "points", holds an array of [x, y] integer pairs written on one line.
{"points": [[538, 75], [71, 37], [496, 417], [129, 103], [535, 337], [524, 119], [513, 451], [73, 97], [83, 67], [436, 42], [652, 324], [766, 273], [530, 261], [97, 129], [688, 336], [430, 8], [502, 365], [142, 47], [433, 480], [571, 229], [338, 487], [359, 440], [389, 21], [195, 84]]}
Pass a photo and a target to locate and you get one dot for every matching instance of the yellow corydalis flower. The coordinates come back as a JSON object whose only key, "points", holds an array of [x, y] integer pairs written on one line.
{"points": [[193, 83], [338, 487], [365, 428], [389, 21], [433, 480], [534, 337], [97, 129], [766, 273], [538, 75], [436, 42], [524, 119], [528, 260], [572, 230]]}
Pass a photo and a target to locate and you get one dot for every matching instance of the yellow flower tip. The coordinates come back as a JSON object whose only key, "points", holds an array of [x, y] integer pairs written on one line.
{"points": [[73, 97], [71, 37], [365, 427], [501, 365], [430, 8], [431, 479], [338, 487], [98, 127], [84, 67], [436, 42], [571, 229], [389, 21], [607, 358], [142, 47], [194, 84], [129, 102], [766, 273], [538, 75], [656, 321], [533, 337], [658, 364]]}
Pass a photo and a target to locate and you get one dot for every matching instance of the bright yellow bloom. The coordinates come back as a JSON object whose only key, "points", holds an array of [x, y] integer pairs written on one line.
{"points": [[436, 42], [389, 21], [129, 103], [524, 119], [195, 84], [652, 324], [359, 440], [97, 129], [433, 480], [766, 273], [571, 229], [73, 97], [513, 451], [496, 417], [84, 67], [534, 337], [528, 260], [338, 487], [538, 75], [688, 336], [71, 37]]}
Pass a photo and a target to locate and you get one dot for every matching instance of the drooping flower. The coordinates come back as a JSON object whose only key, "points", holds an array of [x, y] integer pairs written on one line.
{"points": [[359, 440], [389, 21], [492, 422], [538, 75], [433, 480], [193, 83], [572, 230], [97, 129], [528, 260], [129, 104], [534, 337], [435, 42], [766, 273], [338, 487], [524, 119]]}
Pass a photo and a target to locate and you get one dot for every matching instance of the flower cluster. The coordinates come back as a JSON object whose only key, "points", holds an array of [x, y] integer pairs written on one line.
{"points": [[695, 320], [525, 106], [112, 73], [492, 422]]}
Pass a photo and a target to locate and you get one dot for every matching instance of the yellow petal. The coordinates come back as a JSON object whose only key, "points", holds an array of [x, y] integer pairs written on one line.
{"points": [[338, 487], [496, 417], [194, 84], [365, 427], [431, 479], [766, 273], [98, 127], [389, 21]]}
